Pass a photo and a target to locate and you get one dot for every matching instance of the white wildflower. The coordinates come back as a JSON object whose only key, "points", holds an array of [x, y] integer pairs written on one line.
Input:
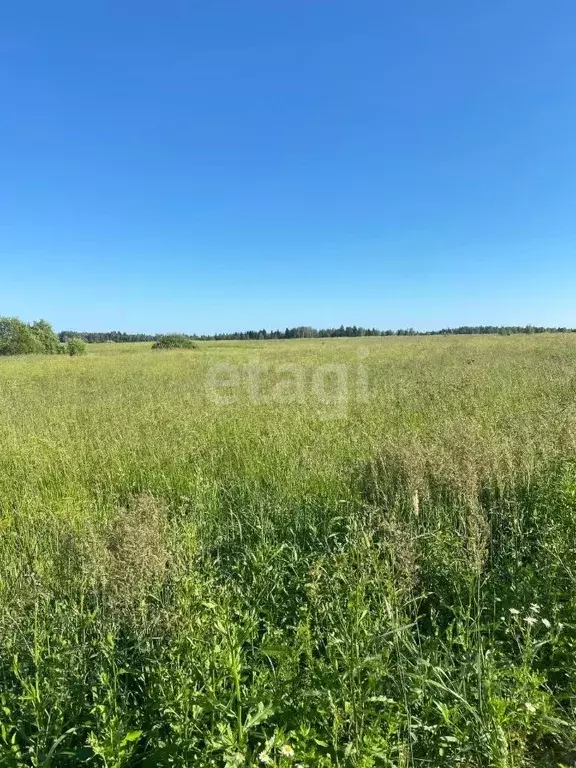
{"points": [[514, 612], [546, 623], [535, 608], [530, 707], [264, 757], [287, 751], [530, 620]]}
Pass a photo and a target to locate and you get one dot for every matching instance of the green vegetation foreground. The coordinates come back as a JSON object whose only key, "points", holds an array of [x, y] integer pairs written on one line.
{"points": [[353, 552]]}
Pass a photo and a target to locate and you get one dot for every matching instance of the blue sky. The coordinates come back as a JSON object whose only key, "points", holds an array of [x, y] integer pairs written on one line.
{"points": [[205, 165]]}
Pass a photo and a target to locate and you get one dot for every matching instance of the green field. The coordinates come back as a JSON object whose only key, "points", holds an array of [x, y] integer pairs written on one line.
{"points": [[355, 552]]}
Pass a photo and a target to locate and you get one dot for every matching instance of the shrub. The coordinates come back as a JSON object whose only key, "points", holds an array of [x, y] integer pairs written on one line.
{"points": [[75, 346], [174, 341]]}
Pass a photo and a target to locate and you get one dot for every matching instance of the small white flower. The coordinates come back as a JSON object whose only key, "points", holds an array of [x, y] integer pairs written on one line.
{"points": [[287, 751], [530, 620], [264, 757], [514, 612], [530, 707], [546, 623], [535, 608]]}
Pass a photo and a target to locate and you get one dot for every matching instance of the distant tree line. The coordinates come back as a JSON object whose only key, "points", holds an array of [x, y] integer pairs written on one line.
{"points": [[19, 338], [101, 337], [307, 332]]}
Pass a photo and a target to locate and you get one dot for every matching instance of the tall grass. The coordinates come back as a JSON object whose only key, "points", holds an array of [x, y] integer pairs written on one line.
{"points": [[263, 582]]}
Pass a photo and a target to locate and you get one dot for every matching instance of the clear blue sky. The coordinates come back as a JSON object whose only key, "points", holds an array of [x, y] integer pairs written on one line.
{"points": [[202, 165]]}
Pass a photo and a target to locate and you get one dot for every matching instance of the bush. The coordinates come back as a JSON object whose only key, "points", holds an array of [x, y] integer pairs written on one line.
{"points": [[18, 338], [174, 341], [75, 346]]}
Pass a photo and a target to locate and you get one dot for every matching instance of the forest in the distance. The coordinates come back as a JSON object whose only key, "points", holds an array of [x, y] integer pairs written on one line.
{"points": [[307, 332]]}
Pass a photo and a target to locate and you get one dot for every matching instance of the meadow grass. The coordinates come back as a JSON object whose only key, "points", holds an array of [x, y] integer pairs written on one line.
{"points": [[377, 571]]}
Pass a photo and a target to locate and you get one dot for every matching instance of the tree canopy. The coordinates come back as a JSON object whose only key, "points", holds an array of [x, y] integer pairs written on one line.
{"points": [[19, 338]]}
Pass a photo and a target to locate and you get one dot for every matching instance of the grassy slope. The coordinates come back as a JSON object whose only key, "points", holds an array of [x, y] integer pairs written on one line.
{"points": [[184, 582]]}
